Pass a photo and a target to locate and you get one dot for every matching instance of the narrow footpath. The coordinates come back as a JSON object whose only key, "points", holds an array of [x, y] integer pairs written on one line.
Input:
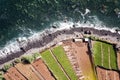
{"points": [[109, 57], [102, 54]]}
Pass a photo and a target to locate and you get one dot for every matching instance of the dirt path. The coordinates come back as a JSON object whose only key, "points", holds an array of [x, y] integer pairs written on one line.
{"points": [[109, 57], [59, 64], [102, 54], [106, 75]]}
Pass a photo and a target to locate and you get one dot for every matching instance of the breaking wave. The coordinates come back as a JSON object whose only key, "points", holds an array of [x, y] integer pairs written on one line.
{"points": [[32, 36]]}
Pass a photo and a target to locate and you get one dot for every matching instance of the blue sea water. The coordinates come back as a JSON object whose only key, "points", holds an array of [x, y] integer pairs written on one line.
{"points": [[23, 18]]}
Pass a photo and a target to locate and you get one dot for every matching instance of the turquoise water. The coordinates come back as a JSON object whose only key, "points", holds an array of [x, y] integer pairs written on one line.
{"points": [[21, 18]]}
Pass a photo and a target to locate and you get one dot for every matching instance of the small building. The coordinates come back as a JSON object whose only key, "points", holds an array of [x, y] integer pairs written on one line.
{"points": [[78, 40], [86, 39]]}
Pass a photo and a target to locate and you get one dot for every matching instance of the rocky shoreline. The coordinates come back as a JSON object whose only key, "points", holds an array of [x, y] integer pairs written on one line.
{"points": [[52, 38]]}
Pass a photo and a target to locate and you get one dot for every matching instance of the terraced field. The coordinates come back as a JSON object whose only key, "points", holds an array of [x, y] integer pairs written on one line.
{"points": [[58, 65], [62, 58], [53, 65], [104, 55]]}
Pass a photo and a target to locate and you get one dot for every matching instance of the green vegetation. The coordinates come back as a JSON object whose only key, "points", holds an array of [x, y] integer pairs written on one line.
{"points": [[30, 58], [62, 58], [104, 52], [17, 60], [7, 66], [105, 55], [97, 53], [27, 59], [36, 55], [53, 66], [113, 59], [92, 37], [1, 76]]}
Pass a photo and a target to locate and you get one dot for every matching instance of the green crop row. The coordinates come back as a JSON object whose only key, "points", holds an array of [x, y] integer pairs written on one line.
{"points": [[102, 52], [62, 58], [53, 65]]}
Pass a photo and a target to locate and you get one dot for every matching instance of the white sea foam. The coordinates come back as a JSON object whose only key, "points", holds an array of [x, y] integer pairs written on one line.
{"points": [[86, 11], [15, 46]]}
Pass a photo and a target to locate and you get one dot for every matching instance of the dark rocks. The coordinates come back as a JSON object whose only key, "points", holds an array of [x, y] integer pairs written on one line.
{"points": [[74, 26], [50, 37], [54, 26], [87, 32]]}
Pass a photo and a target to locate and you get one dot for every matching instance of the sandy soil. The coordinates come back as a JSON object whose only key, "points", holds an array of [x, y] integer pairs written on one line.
{"points": [[27, 71], [7, 76], [42, 69], [103, 74], [82, 56], [17, 76]]}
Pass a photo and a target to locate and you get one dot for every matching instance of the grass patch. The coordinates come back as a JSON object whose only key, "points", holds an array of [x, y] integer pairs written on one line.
{"points": [[17, 60], [105, 55], [62, 58], [27, 59], [53, 66], [113, 59], [30, 58], [97, 53], [1, 76], [6, 67]]}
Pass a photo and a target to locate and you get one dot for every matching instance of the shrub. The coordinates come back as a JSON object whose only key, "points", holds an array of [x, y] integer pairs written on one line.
{"points": [[36, 55], [27, 59], [7, 66], [17, 60]]}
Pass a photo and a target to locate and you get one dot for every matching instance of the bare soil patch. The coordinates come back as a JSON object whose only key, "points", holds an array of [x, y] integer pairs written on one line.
{"points": [[79, 53], [42, 69], [27, 71], [17, 76], [7, 76], [104, 74]]}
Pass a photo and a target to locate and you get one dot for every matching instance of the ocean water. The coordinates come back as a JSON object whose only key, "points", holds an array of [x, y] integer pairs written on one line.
{"points": [[26, 18]]}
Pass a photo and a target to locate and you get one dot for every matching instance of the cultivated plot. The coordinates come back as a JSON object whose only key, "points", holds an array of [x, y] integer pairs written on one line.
{"points": [[104, 55], [14, 74], [62, 58], [104, 74], [79, 52], [53, 65], [41, 68], [27, 71]]}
